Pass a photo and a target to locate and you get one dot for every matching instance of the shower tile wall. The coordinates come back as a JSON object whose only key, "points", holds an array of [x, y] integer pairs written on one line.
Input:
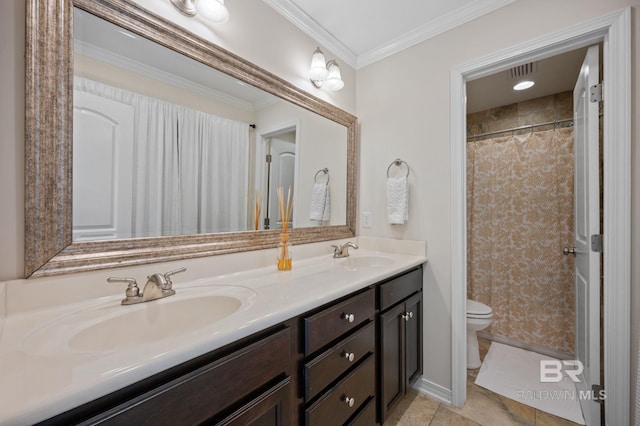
{"points": [[532, 298], [540, 110]]}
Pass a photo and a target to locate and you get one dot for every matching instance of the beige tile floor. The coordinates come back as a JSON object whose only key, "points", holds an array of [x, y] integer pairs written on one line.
{"points": [[483, 407]]}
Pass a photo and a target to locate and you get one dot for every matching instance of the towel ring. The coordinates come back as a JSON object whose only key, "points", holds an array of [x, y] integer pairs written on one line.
{"points": [[325, 171], [398, 162]]}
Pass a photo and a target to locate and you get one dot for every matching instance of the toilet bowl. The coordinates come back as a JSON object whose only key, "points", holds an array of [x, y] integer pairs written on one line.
{"points": [[479, 317]]}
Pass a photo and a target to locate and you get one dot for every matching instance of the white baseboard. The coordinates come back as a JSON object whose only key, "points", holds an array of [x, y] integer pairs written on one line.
{"points": [[434, 390]]}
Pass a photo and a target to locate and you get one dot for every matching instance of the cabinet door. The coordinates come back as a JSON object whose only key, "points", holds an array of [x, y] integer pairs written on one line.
{"points": [[269, 409], [392, 373], [413, 337]]}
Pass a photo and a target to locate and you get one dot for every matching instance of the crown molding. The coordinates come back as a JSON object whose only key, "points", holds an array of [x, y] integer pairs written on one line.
{"points": [[431, 29], [426, 31], [307, 25], [103, 55]]}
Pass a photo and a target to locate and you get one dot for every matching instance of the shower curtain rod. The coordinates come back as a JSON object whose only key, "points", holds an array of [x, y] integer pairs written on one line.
{"points": [[528, 126]]}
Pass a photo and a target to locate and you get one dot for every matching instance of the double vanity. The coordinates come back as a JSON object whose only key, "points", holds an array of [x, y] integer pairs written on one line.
{"points": [[334, 341]]}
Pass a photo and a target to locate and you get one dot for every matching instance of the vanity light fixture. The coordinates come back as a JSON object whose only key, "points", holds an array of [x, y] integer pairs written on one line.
{"points": [[523, 85], [213, 10], [323, 74]]}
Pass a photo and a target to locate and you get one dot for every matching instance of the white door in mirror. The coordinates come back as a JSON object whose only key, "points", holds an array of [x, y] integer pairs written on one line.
{"points": [[103, 135]]}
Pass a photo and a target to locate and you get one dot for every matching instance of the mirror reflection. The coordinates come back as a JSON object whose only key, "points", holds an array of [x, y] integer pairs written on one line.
{"points": [[164, 145]]}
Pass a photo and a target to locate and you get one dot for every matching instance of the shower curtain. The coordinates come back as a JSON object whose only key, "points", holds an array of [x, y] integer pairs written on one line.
{"points": [[519, 217], [190, 167]]}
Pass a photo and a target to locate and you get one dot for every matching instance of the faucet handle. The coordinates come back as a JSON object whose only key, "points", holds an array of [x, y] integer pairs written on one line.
{"points": [[167, 276], [133, 291]]}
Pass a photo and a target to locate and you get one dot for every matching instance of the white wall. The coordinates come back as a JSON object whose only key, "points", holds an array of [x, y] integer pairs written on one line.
{"points": [[403, 105]]}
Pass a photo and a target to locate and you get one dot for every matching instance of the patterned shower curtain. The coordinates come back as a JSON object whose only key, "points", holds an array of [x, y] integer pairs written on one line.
{"points": [[519, 217]]}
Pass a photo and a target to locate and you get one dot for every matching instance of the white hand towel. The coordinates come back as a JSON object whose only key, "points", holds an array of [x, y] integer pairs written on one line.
{"points": [[320, 204], [397, 200]]}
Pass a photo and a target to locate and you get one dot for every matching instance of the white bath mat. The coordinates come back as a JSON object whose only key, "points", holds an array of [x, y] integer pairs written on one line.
{"points": [[515, 374]]}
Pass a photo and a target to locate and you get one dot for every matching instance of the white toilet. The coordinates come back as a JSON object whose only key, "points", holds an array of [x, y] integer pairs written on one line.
{"points": [[479, 317]]}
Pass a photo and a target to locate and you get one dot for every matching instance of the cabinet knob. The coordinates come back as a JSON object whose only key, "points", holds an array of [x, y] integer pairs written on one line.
{"points": [[407, 316], [348, 317], [348, 355], [349, 401]]}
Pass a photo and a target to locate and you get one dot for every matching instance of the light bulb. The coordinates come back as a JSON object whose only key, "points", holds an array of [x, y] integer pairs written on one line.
{"points": [[334, 79], [523, 85], [318, 70], [213, 10]]}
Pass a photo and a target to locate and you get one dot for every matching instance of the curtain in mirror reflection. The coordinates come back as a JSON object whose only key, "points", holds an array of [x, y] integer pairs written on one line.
{"points": [[145, 167]]}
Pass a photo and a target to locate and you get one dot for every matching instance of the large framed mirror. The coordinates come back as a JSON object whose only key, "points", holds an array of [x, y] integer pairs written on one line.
{"points": [[118, 171]]}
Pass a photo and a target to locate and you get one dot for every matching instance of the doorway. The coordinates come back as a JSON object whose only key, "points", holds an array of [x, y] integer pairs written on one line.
{"points": [[614, 31], [278, 169], [522, 223]]}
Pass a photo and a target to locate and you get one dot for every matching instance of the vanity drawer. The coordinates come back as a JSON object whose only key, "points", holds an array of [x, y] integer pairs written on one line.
{"points": [[206, 392], [332, 409], [329, 324], [399, 288], [328, 366]]}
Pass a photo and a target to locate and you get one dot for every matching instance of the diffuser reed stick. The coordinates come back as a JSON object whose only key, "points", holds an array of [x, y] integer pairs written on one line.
{"points": [[286, 210], [259, 197]]}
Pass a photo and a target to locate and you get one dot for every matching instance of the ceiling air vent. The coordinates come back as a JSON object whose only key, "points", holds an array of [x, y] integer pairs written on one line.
{"points": [[524, 70]]}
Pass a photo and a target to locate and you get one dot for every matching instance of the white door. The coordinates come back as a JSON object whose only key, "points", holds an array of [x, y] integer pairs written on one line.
{"points": [[282, 173], [103, 135], [587, 224]]}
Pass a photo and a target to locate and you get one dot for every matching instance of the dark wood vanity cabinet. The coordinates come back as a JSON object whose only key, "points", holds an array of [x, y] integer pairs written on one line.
{"points": [[399, 338], [347, 362], [339, 369], [249, 384]]}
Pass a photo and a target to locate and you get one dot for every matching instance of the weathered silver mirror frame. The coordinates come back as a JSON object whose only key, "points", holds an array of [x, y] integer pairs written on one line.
{"points": [[49, 249]]}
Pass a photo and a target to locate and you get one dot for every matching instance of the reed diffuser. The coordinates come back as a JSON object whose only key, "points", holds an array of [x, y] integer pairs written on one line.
{"points": [[259, 197], [284, 250]]}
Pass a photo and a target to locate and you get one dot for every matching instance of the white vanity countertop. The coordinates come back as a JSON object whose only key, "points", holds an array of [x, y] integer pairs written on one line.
{"points": [[41, 378]]}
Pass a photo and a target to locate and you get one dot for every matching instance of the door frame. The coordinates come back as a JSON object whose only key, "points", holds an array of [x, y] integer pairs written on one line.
{"points": [[260, 168], [614, 31]]}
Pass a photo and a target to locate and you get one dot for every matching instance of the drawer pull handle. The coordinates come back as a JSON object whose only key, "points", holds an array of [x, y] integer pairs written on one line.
{"points": [[407, 316], [348, 317], [349, 355], [349, 401]]}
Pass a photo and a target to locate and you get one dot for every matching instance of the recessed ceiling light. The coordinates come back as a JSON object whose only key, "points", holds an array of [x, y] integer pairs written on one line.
{"points": [[523, 85]]}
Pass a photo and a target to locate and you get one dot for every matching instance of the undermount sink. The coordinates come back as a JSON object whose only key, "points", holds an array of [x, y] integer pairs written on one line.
{"points": [[363, 262], [111, 327]]}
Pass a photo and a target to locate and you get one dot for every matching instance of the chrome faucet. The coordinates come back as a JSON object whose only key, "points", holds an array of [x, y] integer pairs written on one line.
{"points": [[343, 250], [157, 287]]}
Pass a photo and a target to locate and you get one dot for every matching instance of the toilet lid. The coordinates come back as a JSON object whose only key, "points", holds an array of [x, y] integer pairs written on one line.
{"points": [[477, 309]]}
